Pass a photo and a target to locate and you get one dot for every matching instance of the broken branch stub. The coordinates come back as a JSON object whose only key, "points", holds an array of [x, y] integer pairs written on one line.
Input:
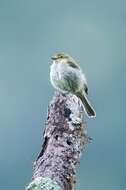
{"points": [[64, 141]]}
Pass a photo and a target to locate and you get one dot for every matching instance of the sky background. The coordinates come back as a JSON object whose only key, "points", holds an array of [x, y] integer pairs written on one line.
{"points": [[94, 34]]}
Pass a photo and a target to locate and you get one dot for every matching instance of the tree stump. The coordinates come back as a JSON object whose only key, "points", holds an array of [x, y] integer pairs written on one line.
{"points": [[64, 139]]}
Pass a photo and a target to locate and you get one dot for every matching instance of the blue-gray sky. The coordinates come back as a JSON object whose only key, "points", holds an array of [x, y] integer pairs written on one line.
{"points": [[94, 34]]}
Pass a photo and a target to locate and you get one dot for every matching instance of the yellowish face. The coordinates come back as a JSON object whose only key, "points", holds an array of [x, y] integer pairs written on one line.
{"points": [[60, 56]]}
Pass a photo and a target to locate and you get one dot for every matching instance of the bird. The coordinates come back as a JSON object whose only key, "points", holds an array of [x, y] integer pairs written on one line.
{"points": [[67, 77]]}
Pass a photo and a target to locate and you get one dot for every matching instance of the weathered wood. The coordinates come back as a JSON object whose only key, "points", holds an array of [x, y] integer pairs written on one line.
{"points": [[63, 143]]}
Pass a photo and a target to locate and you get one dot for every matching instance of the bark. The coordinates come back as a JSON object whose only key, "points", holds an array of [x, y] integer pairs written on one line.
{"points": [[64, 139]]}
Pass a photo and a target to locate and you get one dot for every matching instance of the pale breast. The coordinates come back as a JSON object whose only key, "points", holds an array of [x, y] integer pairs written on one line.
{"points": [[54, 76], [66, 78], [70, 77]]}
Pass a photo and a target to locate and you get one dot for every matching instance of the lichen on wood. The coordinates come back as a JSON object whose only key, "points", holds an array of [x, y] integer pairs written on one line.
{"points": [[64, 139]]}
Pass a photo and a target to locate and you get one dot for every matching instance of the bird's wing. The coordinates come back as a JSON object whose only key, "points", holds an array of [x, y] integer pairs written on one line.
{"points": [[72, 64], [86, 88]]}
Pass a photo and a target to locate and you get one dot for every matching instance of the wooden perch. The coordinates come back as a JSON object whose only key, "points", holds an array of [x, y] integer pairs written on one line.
{"points": [[64, 141]]}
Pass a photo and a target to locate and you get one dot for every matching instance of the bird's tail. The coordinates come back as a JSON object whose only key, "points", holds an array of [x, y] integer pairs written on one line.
{"points": [[88, 108]]}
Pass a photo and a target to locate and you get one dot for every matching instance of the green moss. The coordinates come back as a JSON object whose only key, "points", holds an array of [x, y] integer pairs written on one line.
{"points": [[41, 183]]}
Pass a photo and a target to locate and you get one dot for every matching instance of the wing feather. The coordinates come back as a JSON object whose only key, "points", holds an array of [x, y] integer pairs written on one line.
{"points": [[72, 64]]}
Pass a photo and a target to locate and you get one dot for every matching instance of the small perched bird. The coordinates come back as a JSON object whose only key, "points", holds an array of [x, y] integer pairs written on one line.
{"points": [[67, 76]]}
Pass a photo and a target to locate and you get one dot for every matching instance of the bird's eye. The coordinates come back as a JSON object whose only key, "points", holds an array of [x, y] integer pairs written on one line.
{"points": [[61, 56]]}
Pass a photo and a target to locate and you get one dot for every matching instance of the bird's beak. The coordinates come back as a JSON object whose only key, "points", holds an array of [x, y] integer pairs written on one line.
{"points": [[53, 58]]}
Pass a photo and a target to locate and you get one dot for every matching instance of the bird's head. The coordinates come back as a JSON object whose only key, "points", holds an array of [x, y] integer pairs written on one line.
{"points": [[61, 57], [65, 59]]}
